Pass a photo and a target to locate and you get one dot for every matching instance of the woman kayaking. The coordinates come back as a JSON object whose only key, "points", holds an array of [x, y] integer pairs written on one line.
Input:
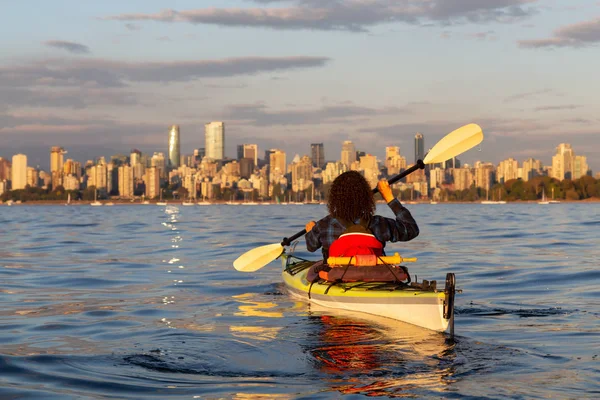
{"points": [[351, 208]]}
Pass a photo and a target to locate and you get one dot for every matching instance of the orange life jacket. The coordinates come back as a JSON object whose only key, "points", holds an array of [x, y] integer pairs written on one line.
{"points": [[359, 242]]}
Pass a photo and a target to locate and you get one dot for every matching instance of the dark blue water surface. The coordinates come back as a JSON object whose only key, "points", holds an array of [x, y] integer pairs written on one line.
{"points": [[141, 302]]}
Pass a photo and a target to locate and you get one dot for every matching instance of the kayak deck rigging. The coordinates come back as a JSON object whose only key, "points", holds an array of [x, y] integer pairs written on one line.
{"points": [[295, 264], [417, 303]]}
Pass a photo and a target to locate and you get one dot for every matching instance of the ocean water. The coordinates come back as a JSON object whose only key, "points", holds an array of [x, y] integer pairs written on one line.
{"points": [[142, 302]]}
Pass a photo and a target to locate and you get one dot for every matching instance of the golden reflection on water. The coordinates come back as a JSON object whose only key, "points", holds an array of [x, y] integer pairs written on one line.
{"points": [[359, 346], [255, 332], [254, 308]]}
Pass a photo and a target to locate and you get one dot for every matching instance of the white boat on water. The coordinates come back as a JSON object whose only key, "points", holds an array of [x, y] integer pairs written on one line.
{"points": [[109, 204], [160, 202], [95, 203], [544, 199]]}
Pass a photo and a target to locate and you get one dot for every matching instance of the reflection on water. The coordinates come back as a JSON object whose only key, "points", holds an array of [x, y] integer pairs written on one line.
{"points": [[142, 302], [376, 356]]}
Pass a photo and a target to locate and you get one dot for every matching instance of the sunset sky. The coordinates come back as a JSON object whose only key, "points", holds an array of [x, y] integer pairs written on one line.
{"points": [[103, 77]]}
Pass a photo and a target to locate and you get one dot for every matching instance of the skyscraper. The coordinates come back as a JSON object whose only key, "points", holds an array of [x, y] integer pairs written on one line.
{"points": [[125, 181], [56, 159], [251, 151], [562, 162], [277, 165], [318, 155], [174, 147], [214, 135], [348, 153], [19, 171], [419, 147]]}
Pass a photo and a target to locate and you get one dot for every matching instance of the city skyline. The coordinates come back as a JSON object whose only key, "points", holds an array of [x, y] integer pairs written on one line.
{"points": [[106, 78]]}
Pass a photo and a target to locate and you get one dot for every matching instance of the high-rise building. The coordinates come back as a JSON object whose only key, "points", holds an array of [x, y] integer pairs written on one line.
{"points": [[19, 171], [394, 162], [419, 147], [4, 169], [174, 148], [562, 162], [56, 159], [463, 178], [152, 181], [246, 167], [580, 167], [317, 155], [240, 152], [125, 181], [158, 161], [215, 140], [33, 177], [370, 167], [56, 165], [333, 170], [302, 174], [531, 169], [348, 155], [507, 169], [484, 175], [135, 157], [251, 151], [277, 165], [199, 154], [98, 175]]}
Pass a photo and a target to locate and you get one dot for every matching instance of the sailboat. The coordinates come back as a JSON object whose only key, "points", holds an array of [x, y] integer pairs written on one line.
{"points": [[203, 202], [412, 201], [488, 201], [160, 202], [96, 202], [188, 202], [544, 200]]}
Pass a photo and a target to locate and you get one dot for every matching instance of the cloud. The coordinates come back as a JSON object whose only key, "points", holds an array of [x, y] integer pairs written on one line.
{"points": [[559, 107], [113, 74], [350, 15], [525, 95], [72, 47], [574, 35], [259, 115]]}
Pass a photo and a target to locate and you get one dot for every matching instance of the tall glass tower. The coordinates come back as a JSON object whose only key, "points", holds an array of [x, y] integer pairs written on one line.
{"points": [[174, 147], [214, 134], [419, 147], [318, 155]]}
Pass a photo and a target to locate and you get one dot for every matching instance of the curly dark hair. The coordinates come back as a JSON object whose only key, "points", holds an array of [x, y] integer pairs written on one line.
{"points": [[350, 197]]}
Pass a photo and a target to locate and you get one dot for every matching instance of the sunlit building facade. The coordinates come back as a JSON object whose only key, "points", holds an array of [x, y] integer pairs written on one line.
{"points": [[174, 154], [214, 135], [19, 171]]}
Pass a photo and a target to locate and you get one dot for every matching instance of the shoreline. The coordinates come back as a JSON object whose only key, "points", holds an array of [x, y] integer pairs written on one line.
{"points": [[180, 203]]}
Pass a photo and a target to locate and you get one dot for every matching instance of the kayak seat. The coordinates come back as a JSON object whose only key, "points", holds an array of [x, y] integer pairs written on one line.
{"points": [[364, 251]]}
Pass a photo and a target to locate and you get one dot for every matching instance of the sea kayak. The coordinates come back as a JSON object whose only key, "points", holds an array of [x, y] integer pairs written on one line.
{"points": [[420, 304]]}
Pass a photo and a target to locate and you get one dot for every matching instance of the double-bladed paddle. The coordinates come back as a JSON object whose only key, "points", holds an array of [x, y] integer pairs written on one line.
{"points": [[451, 145]]}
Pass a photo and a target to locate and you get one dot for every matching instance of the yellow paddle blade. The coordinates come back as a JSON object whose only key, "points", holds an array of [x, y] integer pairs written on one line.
{"points": [[456, 142], [255, 259]]}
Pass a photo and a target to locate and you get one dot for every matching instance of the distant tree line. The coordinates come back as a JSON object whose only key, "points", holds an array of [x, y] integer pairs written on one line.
{"points": [[532, 190]]}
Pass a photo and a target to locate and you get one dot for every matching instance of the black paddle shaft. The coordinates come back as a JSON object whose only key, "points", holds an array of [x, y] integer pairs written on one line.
{"points": [[419, 165]]}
